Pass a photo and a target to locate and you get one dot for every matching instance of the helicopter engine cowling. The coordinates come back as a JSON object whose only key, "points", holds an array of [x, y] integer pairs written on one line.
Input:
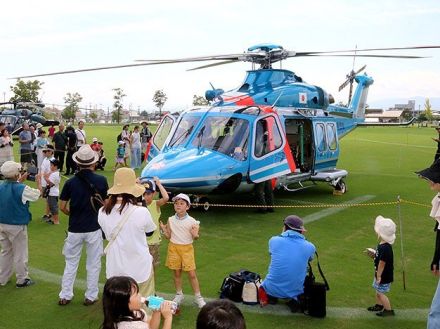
{"points": [[212, 94], [38, 118]]}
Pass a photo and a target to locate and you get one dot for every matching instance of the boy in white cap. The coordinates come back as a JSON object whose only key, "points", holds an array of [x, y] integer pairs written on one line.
{"points": [[383, 265], [182, 230]]}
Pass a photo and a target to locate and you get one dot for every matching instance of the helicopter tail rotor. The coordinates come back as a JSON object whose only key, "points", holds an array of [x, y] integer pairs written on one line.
{"points": [[349, 81]]}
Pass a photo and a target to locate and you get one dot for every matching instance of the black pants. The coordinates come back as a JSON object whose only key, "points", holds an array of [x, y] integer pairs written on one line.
{"points": [[264, 195], [59, 155], [70, 164]]}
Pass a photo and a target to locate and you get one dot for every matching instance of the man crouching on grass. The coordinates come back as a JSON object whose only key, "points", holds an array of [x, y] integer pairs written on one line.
{"points": [[14, 218]]}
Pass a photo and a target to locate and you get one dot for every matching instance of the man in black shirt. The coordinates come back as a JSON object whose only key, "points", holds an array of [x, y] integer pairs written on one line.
{"points": [[83, 229], [60, 142], [71, 148]]}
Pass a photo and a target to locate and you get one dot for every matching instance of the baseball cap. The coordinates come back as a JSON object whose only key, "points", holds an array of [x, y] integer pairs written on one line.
{"points": [[55, 162], [182, 196], [149, 185], [94, 139]]}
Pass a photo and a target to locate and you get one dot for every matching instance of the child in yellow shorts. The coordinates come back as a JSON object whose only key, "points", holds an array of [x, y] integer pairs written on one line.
{"points": [[182, 230]]}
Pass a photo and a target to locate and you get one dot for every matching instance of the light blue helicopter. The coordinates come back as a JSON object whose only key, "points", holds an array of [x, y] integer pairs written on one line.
{"points": [[273, 127]]}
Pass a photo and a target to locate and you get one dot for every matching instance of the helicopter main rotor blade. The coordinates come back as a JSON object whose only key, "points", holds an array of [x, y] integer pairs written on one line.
{"points": [[206, 58], [375, 56], [213, 64], [308, 53]]}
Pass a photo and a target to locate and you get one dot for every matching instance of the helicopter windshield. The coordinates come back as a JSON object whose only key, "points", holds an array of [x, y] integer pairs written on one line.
{"points": [[225, 135], [162, 132], [184, 129]]}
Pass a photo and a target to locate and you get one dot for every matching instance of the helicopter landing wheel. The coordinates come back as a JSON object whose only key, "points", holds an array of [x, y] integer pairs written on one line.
{"points": [[204, 204], [341, 187]]}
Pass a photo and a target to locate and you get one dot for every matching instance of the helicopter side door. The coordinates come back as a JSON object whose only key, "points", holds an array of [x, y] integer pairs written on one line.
{"points": [[160, 136], [326, 145], [268, 157]]}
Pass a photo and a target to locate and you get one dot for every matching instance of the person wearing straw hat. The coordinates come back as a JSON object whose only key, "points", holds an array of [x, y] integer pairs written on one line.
{"points": [[14, 219], [125, 225], [290, 253], [383, 265], [432, 175], [76, 197]]}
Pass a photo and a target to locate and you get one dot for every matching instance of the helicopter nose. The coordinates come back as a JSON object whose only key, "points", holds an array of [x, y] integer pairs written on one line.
{"points": [[179, 169]]}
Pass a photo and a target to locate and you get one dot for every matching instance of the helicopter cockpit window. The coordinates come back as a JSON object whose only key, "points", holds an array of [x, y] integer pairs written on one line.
{"points": [[162, 132], [184, 130], [331, 136], [267, 136], [226, 135], [320, 137]]}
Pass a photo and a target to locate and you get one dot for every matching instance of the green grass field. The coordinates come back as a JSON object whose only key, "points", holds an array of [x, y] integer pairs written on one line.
{"points": [[380, 161]]}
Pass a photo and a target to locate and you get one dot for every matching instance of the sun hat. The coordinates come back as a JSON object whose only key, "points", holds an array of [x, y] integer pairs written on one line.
{"points": [[432, 173], [182, 196], [125, 182], [85, 156], [149, 185], [294, 223], [10, 169], [386, 229], [94, 139]]}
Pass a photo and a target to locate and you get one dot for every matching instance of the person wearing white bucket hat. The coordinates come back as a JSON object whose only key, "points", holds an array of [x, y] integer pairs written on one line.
{"points": [[432, 175], [125, 225], [76, 202], [383, 265]]}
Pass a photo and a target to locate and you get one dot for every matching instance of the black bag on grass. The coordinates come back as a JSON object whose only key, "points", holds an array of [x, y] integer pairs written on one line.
{"points": [[315, 293], [232, 286]]}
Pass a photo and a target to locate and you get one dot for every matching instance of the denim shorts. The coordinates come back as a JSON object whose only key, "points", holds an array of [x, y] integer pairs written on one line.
{"points": [[383, 288]]}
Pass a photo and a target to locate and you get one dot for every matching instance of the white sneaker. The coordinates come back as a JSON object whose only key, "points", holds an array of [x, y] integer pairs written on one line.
{"points": [[200, 301], [178, 299]]}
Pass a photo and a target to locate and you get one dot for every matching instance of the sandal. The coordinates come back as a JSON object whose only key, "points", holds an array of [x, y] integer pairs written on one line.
{"points": [[63, 301]]}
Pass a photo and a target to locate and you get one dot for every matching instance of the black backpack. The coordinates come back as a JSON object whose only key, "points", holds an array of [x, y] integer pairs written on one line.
{"points": [[232, 286], [119, 138]]}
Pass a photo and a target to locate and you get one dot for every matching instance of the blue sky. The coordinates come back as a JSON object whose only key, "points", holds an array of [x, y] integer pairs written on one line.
{"points": [[46, 36]]}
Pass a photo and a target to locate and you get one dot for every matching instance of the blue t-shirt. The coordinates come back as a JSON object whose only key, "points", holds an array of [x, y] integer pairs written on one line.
{"points": [[82, 217], [290, 253], [120, 151], [25, 135]]}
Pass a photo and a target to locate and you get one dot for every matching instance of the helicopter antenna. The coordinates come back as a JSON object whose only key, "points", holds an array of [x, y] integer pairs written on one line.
{"points": [[279, 96]]}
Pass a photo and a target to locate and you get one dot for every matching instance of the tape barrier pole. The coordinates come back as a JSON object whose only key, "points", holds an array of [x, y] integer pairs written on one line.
{"points": [[402, 256]]}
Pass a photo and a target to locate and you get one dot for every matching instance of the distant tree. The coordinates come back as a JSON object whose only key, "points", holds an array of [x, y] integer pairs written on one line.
{"points": [[428, 110], [93, 116], [159, 99], [26, 91], [144, 114], [117, 105], [72, 101], [422, 117], [200, 100]]}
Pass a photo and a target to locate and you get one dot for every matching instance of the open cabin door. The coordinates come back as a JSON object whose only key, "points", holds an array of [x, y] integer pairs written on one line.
{"points": [[269, 158], [159, 138]]}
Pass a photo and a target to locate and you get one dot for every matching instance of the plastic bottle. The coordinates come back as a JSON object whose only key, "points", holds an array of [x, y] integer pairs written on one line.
{"points": [[154, 302]]}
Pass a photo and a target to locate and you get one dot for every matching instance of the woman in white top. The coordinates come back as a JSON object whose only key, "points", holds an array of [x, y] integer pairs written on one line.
{"points": [[126, 226], [6, 147], [135, 140]]}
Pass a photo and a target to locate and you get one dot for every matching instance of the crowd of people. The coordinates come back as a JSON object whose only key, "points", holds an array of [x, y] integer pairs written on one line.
{"points": [[127, 215]]}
